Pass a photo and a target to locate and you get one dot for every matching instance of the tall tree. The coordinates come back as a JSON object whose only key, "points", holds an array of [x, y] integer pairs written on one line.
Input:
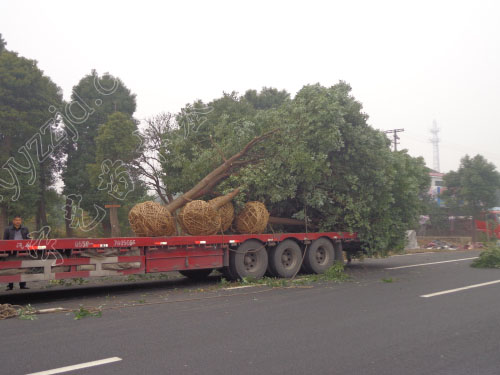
{"points": [[28, 99], [112, 175], [3, 43], [93, 99], [472, 188]]}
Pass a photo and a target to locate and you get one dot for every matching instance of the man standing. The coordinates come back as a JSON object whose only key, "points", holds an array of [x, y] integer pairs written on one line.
{"points": [[16, 231]]}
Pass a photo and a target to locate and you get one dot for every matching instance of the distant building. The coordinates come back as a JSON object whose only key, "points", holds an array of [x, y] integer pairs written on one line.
{"points": [[437, 186]]}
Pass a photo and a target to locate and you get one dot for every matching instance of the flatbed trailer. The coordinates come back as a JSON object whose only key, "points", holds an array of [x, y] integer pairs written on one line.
{"points": [[237, 256]]}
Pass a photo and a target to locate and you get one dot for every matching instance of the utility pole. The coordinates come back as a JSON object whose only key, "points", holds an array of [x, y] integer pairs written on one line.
{"points": [[395, 136]]}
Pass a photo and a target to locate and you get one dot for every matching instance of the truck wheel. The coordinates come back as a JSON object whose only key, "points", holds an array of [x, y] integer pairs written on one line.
{"points": [[319, 256], [249, 260], [196, 274], [285, 259]]}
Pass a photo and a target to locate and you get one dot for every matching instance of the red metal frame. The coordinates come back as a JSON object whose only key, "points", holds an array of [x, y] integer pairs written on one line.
{"points": [[157, 254]]}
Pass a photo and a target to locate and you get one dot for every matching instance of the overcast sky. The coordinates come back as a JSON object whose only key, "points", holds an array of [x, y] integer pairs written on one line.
{"points": [[409, 62]]}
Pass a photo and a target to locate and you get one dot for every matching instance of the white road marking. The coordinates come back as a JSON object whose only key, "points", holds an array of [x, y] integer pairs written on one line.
{"points": [[240, 287], [460, 289], [78, 367], [428, 264], [405, 255]]}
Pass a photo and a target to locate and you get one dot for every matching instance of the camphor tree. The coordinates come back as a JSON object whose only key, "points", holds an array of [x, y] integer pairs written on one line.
{"points": [[325, 165], [472, 188]]}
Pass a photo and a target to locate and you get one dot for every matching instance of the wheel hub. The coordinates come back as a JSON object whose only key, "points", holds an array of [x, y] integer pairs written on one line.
{"points": [[250, 260], [320, 255], [287, 258]]}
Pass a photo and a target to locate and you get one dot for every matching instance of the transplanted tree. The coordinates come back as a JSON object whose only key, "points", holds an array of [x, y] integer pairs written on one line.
{"points": [[331, 167], [472, 188], [325, 165]]}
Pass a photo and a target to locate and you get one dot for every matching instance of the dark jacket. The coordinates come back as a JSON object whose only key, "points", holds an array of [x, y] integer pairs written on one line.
{"points": [[10, 232]]}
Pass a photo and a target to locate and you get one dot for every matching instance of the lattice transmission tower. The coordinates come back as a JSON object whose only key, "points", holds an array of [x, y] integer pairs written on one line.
{"points": [[435, 146]]}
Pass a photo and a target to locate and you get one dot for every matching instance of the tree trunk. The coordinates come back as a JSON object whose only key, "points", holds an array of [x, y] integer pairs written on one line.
{"points": [[4, 219], [37, 219], [4, 208], [113, 218], [67, 217], [42, 210], [106, 228], [208, 180]]}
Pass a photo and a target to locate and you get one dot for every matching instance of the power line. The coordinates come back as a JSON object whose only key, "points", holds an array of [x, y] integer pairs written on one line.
{"points": [[395, 136]]}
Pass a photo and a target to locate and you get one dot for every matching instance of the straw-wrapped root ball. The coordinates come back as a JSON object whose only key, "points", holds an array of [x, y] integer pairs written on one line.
{"points": [[226, 212], [199, 218], [151, 219], [253, 218]]}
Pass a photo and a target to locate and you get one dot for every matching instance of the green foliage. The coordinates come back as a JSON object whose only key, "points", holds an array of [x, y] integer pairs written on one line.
{"points": [[3, 43], [27, 312], [93, 99], [83, 312], [473, 187], [116, 148], [115, 139], [27, 100], [489, 258], [335, 273], [98, 165], [267, 98], [325, 162]]}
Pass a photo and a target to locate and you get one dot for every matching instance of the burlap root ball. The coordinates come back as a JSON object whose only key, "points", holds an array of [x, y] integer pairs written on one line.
{"points": [[253, 218], [151, 219], [199, 218], [226, 213]]}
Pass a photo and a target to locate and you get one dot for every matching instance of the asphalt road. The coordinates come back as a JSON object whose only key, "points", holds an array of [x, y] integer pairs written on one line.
{"points": [[363, 326]]}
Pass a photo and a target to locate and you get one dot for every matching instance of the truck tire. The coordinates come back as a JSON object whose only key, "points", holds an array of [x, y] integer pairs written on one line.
{"points": [[196, 274], [319, 256], [285, 259], [249, 260]]}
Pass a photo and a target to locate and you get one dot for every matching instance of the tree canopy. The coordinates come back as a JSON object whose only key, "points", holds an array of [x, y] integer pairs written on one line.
{"points": [[473, 187], [324, 163], [29, 158]]}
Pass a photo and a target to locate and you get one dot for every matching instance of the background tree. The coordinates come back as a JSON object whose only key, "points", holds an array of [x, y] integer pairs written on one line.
{"points": [[27, 160], [153, 139], [472, 188], [112, 175], [93, 99], [3, 43]]}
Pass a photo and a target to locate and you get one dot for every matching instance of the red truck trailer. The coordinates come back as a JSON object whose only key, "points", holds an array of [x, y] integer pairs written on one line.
{"points": [[489, 223], [237, 256]]}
